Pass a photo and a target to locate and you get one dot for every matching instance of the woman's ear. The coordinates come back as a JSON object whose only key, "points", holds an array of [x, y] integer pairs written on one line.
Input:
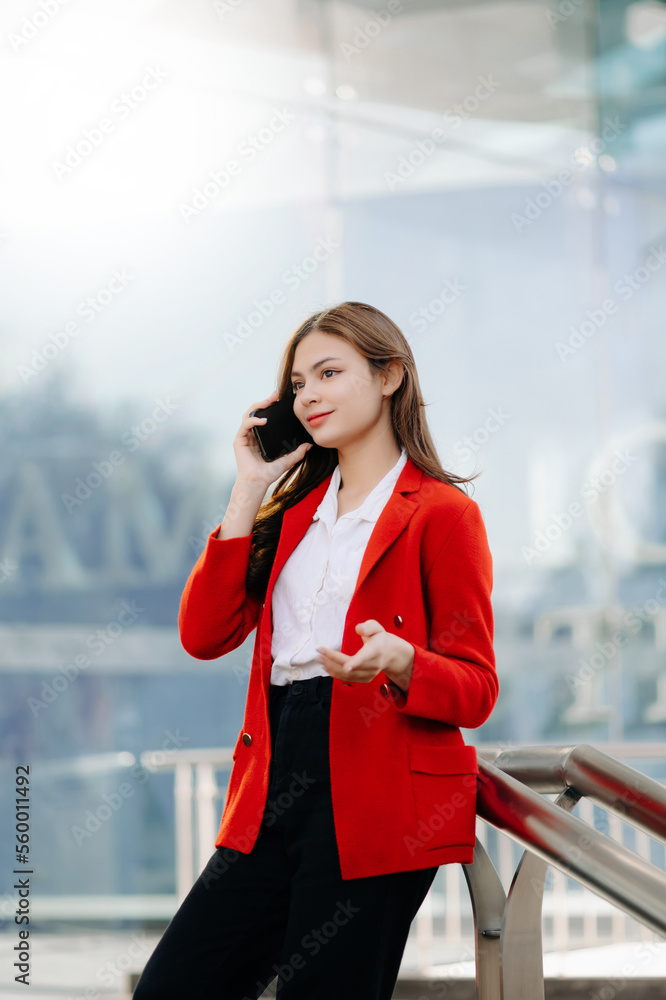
{"points": [[393, 375]]}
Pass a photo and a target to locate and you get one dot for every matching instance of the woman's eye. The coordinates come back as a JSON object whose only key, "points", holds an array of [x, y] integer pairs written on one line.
{"points": [[295, 385]]}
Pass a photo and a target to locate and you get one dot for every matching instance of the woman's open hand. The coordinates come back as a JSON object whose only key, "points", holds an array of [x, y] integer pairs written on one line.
{"points": [[381, 650]]}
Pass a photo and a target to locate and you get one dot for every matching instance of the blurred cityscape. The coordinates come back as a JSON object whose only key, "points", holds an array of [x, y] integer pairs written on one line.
{"points": [[492, 175]]}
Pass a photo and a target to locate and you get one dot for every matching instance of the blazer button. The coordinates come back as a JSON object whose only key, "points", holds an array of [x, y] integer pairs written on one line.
{"points": [[247, 739], [396, 694], [397, 621]]}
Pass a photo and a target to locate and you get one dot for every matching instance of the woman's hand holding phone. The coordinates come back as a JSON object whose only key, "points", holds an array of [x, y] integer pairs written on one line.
{"points": [[252, 468], [255, 474]]}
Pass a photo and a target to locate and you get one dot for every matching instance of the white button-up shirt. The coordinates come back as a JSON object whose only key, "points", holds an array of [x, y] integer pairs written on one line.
{"points": [[312, 593]]}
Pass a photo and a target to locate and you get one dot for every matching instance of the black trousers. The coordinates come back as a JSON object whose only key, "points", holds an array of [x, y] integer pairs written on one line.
{"points": [[284, 909]]}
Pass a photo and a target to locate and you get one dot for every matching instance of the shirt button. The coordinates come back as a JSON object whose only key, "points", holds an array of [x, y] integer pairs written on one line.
{"points": [[397, 621], [296, 673]]}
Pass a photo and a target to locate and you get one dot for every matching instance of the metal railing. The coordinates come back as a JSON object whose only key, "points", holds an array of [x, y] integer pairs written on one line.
{"points": [[507, 926]]}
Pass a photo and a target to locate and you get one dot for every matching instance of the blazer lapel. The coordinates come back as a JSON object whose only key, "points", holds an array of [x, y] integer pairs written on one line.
{"points": [[295, 522], [395, 514]]}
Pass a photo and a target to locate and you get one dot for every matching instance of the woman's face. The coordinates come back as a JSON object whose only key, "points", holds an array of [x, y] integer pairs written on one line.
{"points": [[330, 376]]}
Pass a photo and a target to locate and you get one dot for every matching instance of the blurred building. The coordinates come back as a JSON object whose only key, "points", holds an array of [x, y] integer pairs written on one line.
{"points": [[491, 175]]}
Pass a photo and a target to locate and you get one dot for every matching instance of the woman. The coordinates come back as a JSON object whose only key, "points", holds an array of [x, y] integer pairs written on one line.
{"points": [[368, 577]]}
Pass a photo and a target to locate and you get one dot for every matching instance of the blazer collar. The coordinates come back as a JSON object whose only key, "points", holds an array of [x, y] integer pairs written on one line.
{"points": [[392, 520]]}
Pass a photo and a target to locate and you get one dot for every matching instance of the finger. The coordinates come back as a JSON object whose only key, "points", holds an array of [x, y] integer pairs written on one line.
{"points": [[359, 659], [333, 654], [371, 626]]}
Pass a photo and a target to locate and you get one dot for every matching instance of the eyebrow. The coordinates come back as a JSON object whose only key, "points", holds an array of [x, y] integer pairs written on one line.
{"points": [[316, 365]]}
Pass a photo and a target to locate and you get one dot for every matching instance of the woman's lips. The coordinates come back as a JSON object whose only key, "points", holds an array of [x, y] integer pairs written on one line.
{"points": [[317, 420]]}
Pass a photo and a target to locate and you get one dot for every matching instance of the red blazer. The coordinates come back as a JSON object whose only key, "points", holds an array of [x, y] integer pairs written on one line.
{"points": [[403, 783]]}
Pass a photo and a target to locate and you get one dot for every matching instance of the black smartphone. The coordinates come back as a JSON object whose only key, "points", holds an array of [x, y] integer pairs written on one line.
{"points": [[282, 432]]}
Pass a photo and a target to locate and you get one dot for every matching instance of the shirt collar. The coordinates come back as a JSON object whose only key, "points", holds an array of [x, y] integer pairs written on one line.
{"points": [[371, 507]]}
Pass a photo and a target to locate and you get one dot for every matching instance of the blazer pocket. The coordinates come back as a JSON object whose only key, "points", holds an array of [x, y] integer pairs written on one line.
{"points": [[444, 783]]}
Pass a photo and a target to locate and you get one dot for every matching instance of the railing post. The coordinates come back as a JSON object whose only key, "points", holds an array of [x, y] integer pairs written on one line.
{"points": [[488, 902], [184, 841], [521, 945], [205, 795]]}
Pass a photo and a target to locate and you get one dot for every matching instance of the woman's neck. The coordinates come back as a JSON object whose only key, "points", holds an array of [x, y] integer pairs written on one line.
{"points": [[360, 473]]}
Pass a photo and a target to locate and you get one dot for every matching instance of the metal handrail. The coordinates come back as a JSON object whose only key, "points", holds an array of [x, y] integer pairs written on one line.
{"points": [[639, 800], [508, 936], [585, 854]]}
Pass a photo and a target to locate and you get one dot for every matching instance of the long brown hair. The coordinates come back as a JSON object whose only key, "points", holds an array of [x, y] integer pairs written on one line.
{"points": [[380, 341]]}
